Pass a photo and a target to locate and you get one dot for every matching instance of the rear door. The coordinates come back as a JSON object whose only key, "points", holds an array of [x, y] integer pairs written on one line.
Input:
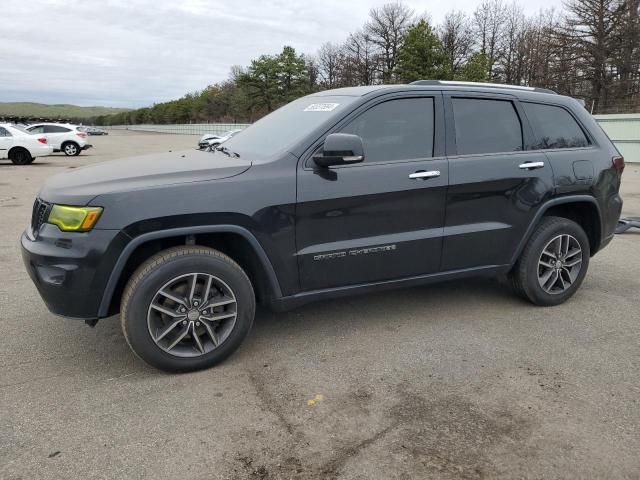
{"points": [[6, 141], [381, 219], [56, 135], [496, 180], [570, 151]]}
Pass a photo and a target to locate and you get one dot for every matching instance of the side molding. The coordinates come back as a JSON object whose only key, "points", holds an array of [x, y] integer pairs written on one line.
{"points": [[173, 232], [541, 211]]}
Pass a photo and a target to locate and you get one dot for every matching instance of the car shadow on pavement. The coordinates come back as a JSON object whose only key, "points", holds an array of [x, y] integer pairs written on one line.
{"points": [[373, 315]]}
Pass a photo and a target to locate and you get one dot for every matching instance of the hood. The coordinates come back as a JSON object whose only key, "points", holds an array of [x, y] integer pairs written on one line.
{"points": [[79, 186]]}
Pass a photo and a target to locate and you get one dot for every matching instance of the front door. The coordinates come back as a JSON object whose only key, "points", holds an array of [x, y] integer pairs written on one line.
{"points": [[381, 219], [496, 180]]}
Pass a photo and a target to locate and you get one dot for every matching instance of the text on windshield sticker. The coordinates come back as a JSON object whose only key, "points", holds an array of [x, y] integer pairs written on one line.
{"points": [[321, 107]]}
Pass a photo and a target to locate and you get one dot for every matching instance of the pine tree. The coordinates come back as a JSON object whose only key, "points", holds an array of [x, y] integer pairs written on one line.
{"points": [[421, 55]]}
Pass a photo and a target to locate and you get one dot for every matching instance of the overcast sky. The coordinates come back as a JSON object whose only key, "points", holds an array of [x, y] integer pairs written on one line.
{"points": [[132, 53]]}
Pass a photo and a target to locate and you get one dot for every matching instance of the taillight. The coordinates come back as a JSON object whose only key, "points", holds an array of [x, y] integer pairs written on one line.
{"points": [[43, 140], [618, 164], [81, 134]]}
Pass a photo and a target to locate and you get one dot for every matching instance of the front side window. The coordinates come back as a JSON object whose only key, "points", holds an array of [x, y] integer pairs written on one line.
{"points": [[39, 129], [396, 130], [486, 126], [4, 132], [554, 127]]}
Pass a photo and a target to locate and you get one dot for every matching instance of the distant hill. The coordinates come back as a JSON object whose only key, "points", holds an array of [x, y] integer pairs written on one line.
{"points": [[28, 109]]}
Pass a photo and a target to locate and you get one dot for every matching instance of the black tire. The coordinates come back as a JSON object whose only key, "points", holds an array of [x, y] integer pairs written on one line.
{"points": [[71, 149], [20, 156], [525, 275], [150, 277]]}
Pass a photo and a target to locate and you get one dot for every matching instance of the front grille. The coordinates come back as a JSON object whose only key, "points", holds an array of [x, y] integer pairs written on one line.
{"points": [[39, 214]]}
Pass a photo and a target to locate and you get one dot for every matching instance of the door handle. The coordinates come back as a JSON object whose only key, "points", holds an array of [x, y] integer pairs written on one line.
{"points": [[423, 174], [531, 165]]}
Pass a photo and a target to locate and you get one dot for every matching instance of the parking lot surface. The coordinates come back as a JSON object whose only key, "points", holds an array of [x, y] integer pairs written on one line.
{"points": [[459, 380]]}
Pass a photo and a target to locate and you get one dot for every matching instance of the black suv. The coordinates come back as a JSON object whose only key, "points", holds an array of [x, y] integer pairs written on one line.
{"points": [[341, 192]]}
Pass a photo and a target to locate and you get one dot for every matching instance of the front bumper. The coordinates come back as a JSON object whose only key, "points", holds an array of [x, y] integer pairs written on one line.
{"points": [[70, 269]]}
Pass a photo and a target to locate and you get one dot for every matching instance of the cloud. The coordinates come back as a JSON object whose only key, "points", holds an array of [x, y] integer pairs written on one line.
{"points": [[137, 52]]}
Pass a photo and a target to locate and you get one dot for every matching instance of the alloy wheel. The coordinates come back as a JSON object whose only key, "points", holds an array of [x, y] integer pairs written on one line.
{"points": [[70, 149], [192, 314], [559, 264]]}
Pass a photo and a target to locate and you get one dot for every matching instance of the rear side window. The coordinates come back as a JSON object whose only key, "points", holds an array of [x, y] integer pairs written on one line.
{"points": [[486, 126], [396, 130], [554, 127], [55, 129], [4, 132]]}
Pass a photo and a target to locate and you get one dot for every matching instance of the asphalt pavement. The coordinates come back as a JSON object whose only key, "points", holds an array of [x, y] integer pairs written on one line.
{"points": [[458, 380]]}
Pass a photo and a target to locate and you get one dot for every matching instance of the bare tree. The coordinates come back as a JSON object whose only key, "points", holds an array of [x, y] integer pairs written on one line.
{"points": [[456, 36], [509, 65], [329, 57], [313, 72], [359, 63], [489, 18], [590, 27], [386, 28], [627, 58]]}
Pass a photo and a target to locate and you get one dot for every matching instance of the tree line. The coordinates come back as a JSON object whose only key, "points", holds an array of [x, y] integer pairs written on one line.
{"points": [[590, 50]]}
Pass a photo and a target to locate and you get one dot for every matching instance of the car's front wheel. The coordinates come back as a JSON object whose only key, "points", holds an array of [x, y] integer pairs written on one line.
{"points": [[71, 149], [187, 308], [554, 262]]}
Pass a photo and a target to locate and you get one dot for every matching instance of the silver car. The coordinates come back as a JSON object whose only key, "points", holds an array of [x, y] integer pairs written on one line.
{"points": [[209, 141]]}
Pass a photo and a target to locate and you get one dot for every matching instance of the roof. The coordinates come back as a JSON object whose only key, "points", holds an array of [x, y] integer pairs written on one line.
{"points": [[54, 123], [503, 86], [436, 85]]}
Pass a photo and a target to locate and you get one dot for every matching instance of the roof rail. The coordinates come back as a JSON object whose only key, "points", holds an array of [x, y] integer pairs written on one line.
{"points": [[481, 84]]}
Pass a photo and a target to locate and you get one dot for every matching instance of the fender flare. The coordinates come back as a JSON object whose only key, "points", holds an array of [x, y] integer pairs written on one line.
{"points": [[118, 268], [541, 211]]}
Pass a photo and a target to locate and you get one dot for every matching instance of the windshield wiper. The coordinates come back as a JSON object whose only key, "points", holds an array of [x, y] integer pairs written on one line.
{"points": [[226, 151]]}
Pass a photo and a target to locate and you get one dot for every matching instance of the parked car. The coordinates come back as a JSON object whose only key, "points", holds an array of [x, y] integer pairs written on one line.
{"points": [[20, 146], [341, 192], [210, 141], [93, 131], [62, 137]]}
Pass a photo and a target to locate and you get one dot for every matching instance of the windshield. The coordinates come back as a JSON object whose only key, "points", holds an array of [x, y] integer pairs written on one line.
{"points": [[286, 126], [21, 129]]}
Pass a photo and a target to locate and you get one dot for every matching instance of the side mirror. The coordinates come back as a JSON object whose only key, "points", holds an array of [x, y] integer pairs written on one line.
{"points": [[340, 149]]}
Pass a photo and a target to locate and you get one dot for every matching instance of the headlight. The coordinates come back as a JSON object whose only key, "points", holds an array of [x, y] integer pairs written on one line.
{"points": [[74, 219]]}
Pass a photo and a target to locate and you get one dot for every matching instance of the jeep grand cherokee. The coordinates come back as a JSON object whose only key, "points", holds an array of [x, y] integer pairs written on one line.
{"points": [[341, 192]]}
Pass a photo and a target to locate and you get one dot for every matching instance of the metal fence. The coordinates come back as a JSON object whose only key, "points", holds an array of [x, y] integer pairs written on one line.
{"points": [[184, 129], [623, 129]]}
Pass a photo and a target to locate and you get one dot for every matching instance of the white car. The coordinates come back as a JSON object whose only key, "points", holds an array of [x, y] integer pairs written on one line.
{"points": [[62, 137], [211, 140], [20, 146]]}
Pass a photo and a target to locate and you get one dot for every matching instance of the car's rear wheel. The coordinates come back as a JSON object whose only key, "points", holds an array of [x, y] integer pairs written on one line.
{"points": [[71, 149], [20, 156], [554, 262], [187, 308]]}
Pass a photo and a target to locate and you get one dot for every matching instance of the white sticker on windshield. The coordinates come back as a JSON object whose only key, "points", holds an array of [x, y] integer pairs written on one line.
{"points": [[321, 107]]}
